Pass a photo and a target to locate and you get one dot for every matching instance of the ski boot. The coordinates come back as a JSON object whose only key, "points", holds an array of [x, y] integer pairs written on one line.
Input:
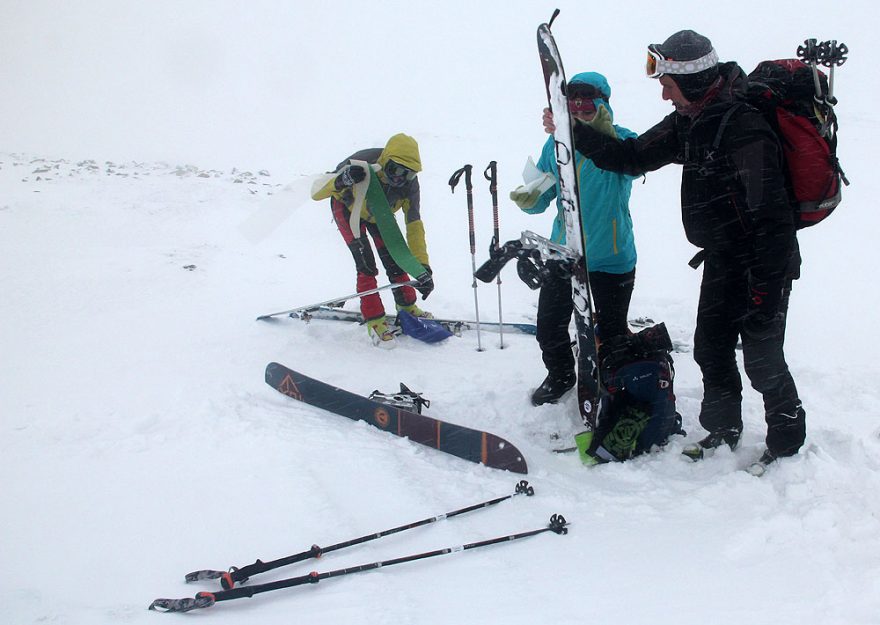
{"points": [[415, 311], [707, 446], [552, 388], [381, 335], [759, 466]]}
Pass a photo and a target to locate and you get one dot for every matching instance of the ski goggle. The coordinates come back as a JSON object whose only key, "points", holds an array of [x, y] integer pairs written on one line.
{"points": [[658, 65], [397, 174], [579, 105]]}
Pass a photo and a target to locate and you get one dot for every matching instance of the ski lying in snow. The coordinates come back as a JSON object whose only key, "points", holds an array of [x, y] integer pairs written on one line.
{"points": [[336, 301], [455, 326], [334, 313], [466, 443], [588, 378]]}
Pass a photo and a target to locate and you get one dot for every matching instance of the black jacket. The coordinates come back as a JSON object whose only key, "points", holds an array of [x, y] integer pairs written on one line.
{"points": [[733, 197]]}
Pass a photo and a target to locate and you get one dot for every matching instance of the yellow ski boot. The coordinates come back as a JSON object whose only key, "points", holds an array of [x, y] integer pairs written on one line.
{"points": [[381, 335], [415, 311]]}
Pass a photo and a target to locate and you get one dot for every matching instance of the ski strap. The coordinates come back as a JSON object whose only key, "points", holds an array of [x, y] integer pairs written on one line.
{"points": [[360, 193]]}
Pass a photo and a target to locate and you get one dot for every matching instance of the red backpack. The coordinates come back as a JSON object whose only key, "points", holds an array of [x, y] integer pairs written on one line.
{"points": [[785, 92]]}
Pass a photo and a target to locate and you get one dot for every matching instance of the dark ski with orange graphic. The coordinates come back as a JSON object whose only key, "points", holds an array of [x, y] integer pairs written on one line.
{"points": [[469, 444]]}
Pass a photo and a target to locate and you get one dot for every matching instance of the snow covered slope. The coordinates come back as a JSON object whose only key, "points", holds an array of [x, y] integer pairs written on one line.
{"points": [[138, 440]]}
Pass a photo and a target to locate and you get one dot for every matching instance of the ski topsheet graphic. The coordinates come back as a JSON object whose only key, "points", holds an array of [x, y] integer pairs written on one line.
{"points": [[588, 383], [473, 445]]}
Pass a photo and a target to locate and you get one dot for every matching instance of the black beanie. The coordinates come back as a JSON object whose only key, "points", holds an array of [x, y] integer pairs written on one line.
{"points": [[687, 45]]}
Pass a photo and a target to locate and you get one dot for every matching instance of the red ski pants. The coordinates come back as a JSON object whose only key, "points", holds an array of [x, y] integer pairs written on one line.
{"points": [[365, 263]]}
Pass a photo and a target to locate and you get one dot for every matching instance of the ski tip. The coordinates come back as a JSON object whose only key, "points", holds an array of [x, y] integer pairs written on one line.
{"points": [[272, 318]]}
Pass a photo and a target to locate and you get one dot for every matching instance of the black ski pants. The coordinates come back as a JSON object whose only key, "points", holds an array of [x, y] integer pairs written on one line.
{"points": [[723, 305], [611, 297]]}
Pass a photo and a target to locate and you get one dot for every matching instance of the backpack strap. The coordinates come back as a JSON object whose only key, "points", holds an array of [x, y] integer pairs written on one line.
{"points": [[724, 120]]}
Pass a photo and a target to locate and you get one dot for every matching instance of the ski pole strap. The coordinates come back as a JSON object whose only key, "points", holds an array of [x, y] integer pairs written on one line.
{"points": [[456, 176]]}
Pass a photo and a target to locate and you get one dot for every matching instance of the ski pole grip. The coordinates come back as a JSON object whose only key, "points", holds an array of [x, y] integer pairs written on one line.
{"points": [[457, 174], [196, 576], [523, 488], [557, 524], [201, 600]]}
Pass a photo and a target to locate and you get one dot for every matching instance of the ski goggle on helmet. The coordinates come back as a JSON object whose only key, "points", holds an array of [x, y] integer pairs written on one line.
{"points": [[658, 65], [397, 174]]}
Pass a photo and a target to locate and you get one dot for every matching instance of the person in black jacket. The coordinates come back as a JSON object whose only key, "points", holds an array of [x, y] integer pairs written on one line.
{"points": [[735, 208]]}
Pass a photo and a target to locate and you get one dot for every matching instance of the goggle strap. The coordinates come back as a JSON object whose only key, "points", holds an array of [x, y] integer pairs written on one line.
{"points": [[663, 65]]}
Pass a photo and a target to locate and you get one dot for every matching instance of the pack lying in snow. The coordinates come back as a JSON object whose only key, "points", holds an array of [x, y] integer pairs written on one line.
{"points": [[638, 399]]}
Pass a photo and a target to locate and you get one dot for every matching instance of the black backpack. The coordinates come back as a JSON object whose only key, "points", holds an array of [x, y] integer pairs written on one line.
{"points": [[638, 398]]}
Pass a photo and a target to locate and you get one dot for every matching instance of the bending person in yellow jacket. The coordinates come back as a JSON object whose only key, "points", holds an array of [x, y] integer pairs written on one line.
{"points": [[396, 166]]}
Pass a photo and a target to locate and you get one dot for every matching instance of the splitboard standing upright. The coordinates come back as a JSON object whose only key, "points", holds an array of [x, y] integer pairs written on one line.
{"points": [[588, 382]]}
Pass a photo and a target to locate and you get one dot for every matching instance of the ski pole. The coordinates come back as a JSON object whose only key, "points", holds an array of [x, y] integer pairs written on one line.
{"points": [[337, 300], [453, 181], [557, 525], [809, 54], [491, 174], [235, 574], [832, 55]]}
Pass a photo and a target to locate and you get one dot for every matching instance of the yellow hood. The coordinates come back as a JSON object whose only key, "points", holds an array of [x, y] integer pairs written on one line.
{"points": [[403, 150]]}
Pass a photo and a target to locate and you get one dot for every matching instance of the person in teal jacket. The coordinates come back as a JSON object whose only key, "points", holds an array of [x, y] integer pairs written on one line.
{"points": [[608, 231]]}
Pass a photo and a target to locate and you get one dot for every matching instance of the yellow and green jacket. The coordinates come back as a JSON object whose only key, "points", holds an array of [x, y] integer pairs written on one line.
{"points": [[404, 150]]}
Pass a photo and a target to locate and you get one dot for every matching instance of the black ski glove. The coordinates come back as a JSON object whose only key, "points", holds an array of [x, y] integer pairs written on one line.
{"points": [[350, 176], [426, 282]]}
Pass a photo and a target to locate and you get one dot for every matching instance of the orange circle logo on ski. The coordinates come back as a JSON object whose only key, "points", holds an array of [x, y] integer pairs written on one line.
{"points": [[383, 419]]}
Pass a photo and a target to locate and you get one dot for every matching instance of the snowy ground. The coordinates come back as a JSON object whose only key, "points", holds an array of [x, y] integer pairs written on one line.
{"points": [[139, 441]]}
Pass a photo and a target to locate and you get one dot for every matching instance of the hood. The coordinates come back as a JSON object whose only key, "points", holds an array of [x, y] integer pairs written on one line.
{"points": [[402, 149], [731, 84], [599, 82]]}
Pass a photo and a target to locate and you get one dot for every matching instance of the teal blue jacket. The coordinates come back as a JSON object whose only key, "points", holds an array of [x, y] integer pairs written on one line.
{"points": [[604, 199]]}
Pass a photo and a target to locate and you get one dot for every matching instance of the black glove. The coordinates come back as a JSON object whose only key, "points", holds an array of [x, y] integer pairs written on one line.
{"points": [[350, 175], [425, 283]]}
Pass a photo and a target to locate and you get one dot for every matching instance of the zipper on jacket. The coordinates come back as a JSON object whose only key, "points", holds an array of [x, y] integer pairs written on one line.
{"points": [[614, 235]]}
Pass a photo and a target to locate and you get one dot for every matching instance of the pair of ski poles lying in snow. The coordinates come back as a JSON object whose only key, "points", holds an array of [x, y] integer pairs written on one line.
{"points": [[229, 578]]}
